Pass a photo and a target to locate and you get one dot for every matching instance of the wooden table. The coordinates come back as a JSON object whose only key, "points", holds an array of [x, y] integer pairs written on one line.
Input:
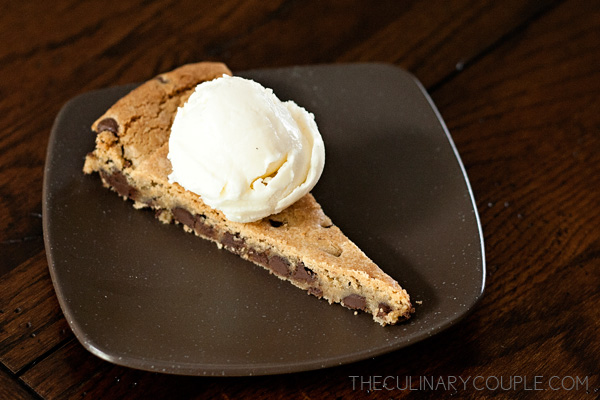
{"points": [[518, 84]]}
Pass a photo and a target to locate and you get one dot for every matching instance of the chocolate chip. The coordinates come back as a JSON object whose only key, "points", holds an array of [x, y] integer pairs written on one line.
{"points": [[184, 216], [355, 302], [275, 224], [303, 274], [279, 265], [119, 182], [315, 291], [108, 124], [233, 242], [196, 222], [384, 309], [202, 228], [259, 257]]}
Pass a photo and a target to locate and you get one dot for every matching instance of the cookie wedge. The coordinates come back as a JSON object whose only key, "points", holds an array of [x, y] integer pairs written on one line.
{"points": [[300, 244]]}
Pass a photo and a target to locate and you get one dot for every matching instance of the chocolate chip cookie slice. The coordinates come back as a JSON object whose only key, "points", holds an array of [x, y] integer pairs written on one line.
{"points": [[300, 244]]}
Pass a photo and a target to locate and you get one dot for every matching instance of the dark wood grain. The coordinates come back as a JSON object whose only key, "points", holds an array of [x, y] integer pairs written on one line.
{"points": [[518, 84], [31, 322], [10, 389]]}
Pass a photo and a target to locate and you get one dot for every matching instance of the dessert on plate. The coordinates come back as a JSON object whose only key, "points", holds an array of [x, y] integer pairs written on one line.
{"points": [[230, 162]]}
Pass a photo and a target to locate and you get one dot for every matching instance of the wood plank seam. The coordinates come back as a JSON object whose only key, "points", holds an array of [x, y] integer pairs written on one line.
{"points": [[494, 45], [21, 383], [42, 356]]}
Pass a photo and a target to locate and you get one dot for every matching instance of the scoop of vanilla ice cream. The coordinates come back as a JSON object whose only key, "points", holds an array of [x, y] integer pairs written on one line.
{"points": [[242, 150]]}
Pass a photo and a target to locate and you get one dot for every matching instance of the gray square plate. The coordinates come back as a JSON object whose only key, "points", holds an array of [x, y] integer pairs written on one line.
{"points": [[149, 296]]}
